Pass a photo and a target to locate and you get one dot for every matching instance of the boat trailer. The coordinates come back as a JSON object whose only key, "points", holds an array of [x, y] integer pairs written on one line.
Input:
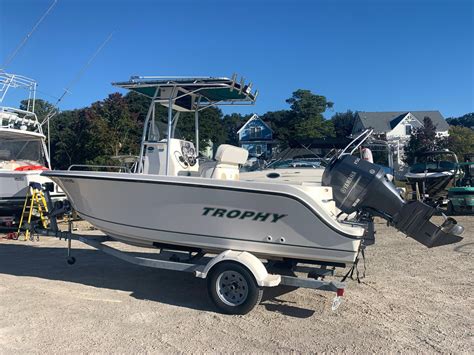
{"points": [[235, 279]]}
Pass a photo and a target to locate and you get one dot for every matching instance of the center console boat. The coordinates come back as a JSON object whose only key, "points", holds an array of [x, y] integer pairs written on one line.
{"points": [[172, 202]]}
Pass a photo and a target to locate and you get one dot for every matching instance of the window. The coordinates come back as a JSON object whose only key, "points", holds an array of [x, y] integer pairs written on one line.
{"points": [[408, 129], [30, 150], [252, 132], [258, 149], [255, 132]]}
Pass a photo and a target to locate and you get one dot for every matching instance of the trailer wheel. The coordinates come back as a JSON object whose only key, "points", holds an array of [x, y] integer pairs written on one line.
{"points": [[233, 288]]}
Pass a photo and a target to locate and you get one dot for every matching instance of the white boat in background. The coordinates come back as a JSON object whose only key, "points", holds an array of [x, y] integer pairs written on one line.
{"points": [[23, 152], [431, 174], [289, 171]]}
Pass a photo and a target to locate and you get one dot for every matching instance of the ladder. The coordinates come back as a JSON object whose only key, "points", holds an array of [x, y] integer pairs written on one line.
{"points": [[34, 201]]}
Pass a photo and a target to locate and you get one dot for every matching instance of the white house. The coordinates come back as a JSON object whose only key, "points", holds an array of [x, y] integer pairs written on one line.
{"points": [[397, 126]]}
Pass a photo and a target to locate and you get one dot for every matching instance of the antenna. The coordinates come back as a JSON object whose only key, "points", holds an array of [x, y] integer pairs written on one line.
{"points": [[22, 43], [53, 111]]}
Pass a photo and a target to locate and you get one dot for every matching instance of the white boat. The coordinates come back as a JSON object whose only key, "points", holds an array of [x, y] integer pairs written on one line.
{"points": [[289, 171], [296, 164], [23, 152], [171, 201], [431, 174]]}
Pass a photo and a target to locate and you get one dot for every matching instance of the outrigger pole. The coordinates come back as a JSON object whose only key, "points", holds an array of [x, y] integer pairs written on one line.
{"points": [[53, 111], [15, 52]]}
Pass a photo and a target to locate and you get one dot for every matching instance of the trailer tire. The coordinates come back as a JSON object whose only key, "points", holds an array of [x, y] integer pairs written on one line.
{"points": [[233, 288]]}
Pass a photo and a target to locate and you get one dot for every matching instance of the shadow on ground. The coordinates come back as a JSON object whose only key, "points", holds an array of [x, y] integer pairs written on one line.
{"points": [[97, 269]]}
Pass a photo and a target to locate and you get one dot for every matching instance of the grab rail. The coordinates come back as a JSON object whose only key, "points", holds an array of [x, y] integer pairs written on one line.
{"points": [[356, 142], [120, 167]]}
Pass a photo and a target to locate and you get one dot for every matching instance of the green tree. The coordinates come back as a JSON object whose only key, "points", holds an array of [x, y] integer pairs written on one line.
{"points": [[281, 125], [466, 120], [461, 140], [308, 120], [231, 124], [70, 134], [42, 108], [306, 105], [304, 120], [343, 123], [210, 121], [423, 139], [117, 129], [93, 134], [211, 127]]}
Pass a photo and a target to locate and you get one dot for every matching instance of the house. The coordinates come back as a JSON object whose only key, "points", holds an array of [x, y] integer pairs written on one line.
{"points": [[256, 136], [396, 127]]}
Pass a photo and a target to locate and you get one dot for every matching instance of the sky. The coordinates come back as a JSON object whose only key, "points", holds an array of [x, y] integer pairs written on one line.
{"points": [[366, 55]]}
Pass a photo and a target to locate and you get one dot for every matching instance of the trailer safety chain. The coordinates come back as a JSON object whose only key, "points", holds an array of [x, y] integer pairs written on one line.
{"points": [[355, 267]]}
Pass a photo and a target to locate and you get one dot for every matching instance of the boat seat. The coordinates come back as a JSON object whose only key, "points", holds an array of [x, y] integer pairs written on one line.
{"points": [[226, 167]]}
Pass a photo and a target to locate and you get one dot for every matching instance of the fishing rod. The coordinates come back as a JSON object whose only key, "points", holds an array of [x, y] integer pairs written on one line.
{"points": [[22, 43], [54, 110]]}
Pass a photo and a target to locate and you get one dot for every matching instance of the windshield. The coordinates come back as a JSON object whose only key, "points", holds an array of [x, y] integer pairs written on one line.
{"points": [[434, 163], [433, 167], [293, 163], [21, 150]]}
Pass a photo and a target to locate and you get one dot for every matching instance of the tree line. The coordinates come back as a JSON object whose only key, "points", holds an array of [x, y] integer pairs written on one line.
{"points": [[113, 126]]}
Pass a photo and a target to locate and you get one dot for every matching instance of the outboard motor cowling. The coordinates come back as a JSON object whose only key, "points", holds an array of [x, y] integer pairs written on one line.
{"points": [[361, 186]]}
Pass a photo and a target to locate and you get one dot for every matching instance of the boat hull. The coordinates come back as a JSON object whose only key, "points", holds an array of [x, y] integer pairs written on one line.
{"points": [[269, 220], [434, 184], [14, 186]]}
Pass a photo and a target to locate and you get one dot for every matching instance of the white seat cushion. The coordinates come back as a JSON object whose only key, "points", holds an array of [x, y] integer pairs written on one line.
{"points": [[229, 154]]}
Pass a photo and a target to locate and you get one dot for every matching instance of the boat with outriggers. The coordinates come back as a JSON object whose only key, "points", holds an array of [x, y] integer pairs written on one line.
{"points": [[23, 150]]}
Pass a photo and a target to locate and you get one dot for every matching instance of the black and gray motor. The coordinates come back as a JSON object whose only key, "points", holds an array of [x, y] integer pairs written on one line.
{"points": [[360, 186]]}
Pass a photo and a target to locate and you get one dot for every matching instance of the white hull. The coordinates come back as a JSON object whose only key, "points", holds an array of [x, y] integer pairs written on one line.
{"points": [[14, 186], [271, 220], [429, 175]]}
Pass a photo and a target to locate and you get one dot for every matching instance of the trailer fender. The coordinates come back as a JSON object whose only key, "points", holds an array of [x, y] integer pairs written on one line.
{"points": [[251, 262]]}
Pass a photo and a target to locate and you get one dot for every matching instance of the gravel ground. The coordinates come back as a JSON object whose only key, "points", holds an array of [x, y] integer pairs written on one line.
{"points": [[413, 299]]}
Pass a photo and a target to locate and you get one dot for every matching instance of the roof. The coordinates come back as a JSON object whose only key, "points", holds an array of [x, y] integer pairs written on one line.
{"points": [[386, 121], [254, 117], [192, 93], [19, 134]]}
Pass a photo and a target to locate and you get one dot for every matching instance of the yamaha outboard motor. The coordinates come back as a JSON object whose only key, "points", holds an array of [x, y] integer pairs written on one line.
{"points": [[361, 186]]}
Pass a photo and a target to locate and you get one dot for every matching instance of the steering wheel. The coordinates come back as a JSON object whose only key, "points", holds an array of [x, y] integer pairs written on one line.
{"points": [[181, 159]]}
